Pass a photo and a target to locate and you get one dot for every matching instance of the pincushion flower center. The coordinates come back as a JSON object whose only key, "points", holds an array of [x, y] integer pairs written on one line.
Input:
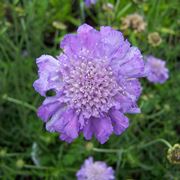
{"points": [[90, 87], [95, 172], [157, 65]]}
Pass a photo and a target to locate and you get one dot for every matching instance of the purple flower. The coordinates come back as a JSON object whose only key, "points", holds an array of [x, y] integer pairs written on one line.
{"points": [[95, 171], [96, 82], [88, 3], [156, 70]]}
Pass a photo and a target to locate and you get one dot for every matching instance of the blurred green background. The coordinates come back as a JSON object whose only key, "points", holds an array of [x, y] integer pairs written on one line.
{"points": [[29, 28]]}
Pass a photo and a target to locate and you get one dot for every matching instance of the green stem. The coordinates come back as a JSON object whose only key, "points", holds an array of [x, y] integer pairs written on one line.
{"points": [[106, 150], [132, 147], [19, 102], [15, 154], [37, 167], [156, 141], [155, 114], [29, 166]]}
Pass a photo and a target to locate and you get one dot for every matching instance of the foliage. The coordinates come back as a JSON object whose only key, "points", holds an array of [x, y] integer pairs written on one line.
{"points": [[26, 32]]}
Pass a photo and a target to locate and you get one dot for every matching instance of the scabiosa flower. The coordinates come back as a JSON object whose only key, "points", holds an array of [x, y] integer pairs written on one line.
{"points": [[95, 171], [135, 22], [88, 3], [156, 70], [96, 82]]}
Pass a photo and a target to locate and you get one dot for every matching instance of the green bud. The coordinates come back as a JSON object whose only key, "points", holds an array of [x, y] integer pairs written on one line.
{"points": [[173, 154], [89, 146], [167, 107], [20, 163], [59, 25], [3, 153]]}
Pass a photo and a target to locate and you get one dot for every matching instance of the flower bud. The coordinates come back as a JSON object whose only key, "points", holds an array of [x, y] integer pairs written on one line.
{"points": [[3, 152], [19, 163], [167, 107], [173, 154], [89, 146], [135, 22], [154, 39]]}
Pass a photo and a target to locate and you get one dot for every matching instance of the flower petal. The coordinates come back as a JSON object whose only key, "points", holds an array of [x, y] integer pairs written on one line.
{"points": [[55, 123], [48, 108], [133, 66], [84, 28], [65, 122], [66, 138], [111, 37], [102, 128], [70, 126], [124, 102], [133, 87], [70, 45], [49, 75], [88, 130], [119, 121], [82, 45]]}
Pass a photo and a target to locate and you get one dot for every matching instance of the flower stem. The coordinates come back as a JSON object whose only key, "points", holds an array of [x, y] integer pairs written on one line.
{"points": [[132, 147], [106, 150], [155, 114], [29, 166], [156, 141], [15, 154], [37, 167], [19, 102]]}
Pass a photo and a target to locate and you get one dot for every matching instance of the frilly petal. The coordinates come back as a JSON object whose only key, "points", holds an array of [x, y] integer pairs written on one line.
{"points": [[111, 40], [88, 130], [124, 102], [82, 45], [48, 108], [66, 138], [84, 28], [111, 37], [65, 122], [119, 121], [70, 125], [102, 128], [49, 75], [133, 66], [55, 123], [133, 87]]}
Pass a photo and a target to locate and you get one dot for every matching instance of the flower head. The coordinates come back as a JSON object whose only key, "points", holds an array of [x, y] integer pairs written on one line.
{"points": [[95, 171], [156, 70], [88, 3], [134, 21], [154, 39], [174, 154], [96, 82]]}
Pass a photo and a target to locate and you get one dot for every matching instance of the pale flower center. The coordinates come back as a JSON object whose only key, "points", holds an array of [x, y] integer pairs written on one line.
{"points": [[95, 172], [90, 88]]}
